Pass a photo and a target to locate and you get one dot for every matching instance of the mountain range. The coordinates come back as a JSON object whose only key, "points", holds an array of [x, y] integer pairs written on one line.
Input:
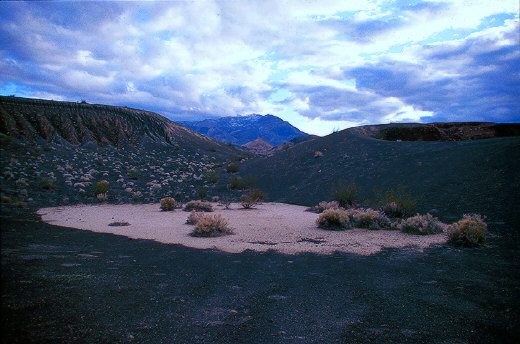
{"points": [[239, 130]]}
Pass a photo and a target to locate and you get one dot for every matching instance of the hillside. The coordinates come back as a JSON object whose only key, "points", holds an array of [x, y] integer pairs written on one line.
{"points": [[451, 178], [258, 146], [80, 123], [239, 130]]}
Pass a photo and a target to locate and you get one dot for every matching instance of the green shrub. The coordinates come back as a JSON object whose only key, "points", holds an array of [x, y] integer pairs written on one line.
{"points": [[345, 194], [422, 224], [336, 219], [211, 176], [211, 225], [101, 187], [369, 218], [253, 197], [198, 206], [194, 217], [232, 167], [241, 183], [396, 203], [167, 204], [134, 173], [47, 183], [470, 231], [202, 192]]}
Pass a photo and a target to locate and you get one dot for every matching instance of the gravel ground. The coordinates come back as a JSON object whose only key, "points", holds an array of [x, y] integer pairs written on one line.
{"points": [[64, 285]]}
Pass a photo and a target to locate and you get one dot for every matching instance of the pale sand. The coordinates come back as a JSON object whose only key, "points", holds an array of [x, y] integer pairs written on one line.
{"points": [[270, 226]]}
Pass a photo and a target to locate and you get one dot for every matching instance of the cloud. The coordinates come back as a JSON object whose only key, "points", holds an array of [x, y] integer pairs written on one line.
{"points": [[335, 62]]}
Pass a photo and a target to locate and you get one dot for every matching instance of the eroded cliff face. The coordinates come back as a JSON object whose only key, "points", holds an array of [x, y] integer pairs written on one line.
{"points": [[446, 131], [79, 123]]}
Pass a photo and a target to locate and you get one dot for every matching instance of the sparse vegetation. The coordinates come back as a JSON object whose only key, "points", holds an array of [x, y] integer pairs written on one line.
{"points": [[369, 219], [101, 187], [232, 167], [194, 217], [134, 173], [318, 154], [198, 206], [396, 202], [422, 224], [324, 205], [202, 192], [211, 176], [252, 198], [345, 194], [210, 226], [47, 183], [470, 231], [167, 204], [241, 183], [335, 219]]}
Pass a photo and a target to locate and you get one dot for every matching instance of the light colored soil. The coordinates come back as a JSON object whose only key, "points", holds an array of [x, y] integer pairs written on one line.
{"points": [[270, 226]]}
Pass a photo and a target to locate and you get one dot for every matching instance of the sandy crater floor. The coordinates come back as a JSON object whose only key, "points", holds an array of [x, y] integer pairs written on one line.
{"points": [[270, 226]]}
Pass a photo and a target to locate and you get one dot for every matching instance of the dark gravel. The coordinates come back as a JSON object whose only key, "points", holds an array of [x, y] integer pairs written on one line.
{"points": [[62, 285]]}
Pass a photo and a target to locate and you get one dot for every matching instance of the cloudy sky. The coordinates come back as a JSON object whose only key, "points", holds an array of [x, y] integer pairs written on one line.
{"points": [[322, 65]]}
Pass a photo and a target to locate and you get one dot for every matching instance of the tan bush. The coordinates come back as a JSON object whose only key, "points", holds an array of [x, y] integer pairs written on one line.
{"points": [[253, 197], [369, 218], [211, 225], [324, 205], [198, 206], [167, 204], [336, 219], [422, 224], [194, 217], [470, 231]]}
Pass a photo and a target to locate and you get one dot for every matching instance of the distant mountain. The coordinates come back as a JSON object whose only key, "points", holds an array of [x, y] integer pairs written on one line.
{"points": [[258, 146], [239, 130], [80, 123]]}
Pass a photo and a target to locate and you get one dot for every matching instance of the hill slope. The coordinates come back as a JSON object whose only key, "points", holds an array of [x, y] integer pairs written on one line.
{"points": [[451, 177], [78, 124], [239, 130]]}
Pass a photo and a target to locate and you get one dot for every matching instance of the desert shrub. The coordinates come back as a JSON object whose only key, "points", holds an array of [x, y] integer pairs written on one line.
{"points": [[226, 201], [345, 194], [167, 204], [396, 203], [336, 219], [211, 176], [470, 231], [422, 224], [241, 183], [5, 199], [21, 204], [101, 187], [324, 205], [318, 154], [369, 218], [134, 173], [47, 183], [102, 197], [211, 225], [194, 217], [250, 199], [202, 192], [232, 167], [198, 206]]}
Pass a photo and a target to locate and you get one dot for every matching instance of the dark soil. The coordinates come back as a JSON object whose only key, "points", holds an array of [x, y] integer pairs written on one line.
{"points": [[61, 285]]}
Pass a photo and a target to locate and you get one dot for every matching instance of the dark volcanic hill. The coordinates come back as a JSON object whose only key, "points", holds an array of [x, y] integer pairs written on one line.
{"points": [[79, 123], [239, 130], [451, 178], [258, 146]]}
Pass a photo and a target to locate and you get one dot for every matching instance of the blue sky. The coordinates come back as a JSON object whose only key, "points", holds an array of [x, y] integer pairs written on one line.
{"points": [[322, 65]]}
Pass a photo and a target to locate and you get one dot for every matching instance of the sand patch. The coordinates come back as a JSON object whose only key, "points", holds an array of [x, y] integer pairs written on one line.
{"points": [[271, 226]]}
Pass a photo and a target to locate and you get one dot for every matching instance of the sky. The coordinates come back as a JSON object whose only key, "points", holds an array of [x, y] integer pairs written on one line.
{"points": [[321, 65]]}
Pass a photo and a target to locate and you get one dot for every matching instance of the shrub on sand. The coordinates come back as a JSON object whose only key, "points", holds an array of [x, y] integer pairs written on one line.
{"points": [[470, 231], [167, 204], [198, 206], [369, 218], [336, 219], [324, 205], [422, 224], [253, 197], [194, 217], [211, 225]]}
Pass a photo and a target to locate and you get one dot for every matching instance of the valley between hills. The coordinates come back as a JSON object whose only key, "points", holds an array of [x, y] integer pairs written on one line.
{"points": [[63, 284]]}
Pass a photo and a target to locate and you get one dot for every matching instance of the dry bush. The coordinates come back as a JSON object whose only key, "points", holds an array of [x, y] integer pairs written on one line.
{"points": [[336, 219], [422, 224], [369, 218], [194, 217], [198, 206], [318, 154], [167, 204], [396, 202], [470, 231], [324, 205], [211, 225], [253, 197]]}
